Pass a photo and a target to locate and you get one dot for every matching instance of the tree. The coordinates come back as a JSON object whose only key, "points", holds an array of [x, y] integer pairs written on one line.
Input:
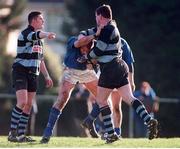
{"points": [[9, 21]]}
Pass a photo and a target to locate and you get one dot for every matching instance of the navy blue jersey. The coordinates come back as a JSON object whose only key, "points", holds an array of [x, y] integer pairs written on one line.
{"points": [[72, 54], [127, 54]]}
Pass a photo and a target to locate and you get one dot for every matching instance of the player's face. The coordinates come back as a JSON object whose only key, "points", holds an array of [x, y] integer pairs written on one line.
{"points": [[84, 50], [39, 22], [145, 89], [98, 19]]}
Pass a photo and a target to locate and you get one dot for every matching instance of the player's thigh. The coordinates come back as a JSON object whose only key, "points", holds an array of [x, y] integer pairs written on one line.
{"points": [[92, 87], [126, 93], [32, 82], [102, 95], [19, 79], [20, 84], [65, 88]]}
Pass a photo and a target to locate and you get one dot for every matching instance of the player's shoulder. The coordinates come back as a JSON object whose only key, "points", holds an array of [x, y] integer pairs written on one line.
{"points": [[27, 31], [123, 41], [71, 39], [109, 27]]}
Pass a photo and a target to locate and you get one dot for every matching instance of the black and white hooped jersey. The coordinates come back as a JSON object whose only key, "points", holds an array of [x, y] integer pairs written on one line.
{"points": [[29, 50], [108, 45]]}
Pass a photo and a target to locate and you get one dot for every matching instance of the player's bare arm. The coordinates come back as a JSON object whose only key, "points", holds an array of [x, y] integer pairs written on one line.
{"points": [[48, 35]]}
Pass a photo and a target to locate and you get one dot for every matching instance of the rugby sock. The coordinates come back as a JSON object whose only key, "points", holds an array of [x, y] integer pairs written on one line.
{"points": [[23, 124], [106, 116], [118, 131], [141, 110], [93, 114], [53, 117], [15, 116]]}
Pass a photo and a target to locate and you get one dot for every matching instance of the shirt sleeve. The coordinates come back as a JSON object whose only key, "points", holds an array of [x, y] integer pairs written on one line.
{"points": [[70, 43], [33, 36], [127, 54], [88, 32]]}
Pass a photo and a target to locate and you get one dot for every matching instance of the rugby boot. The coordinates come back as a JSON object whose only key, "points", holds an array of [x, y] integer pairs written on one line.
{"points": [[24, 138], [90, 126], [112, 138], [45, 140], [152, 127], [12, 137]]}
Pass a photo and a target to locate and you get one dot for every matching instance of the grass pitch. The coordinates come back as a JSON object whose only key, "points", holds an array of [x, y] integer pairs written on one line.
{"points": [[76, 142]]}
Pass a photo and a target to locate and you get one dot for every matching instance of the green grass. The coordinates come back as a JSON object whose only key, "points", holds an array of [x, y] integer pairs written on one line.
{"points": [[95, 143]]}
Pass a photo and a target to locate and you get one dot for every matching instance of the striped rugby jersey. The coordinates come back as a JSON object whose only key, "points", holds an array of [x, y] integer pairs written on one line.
{"points": [[108, 45], [29, 50]]}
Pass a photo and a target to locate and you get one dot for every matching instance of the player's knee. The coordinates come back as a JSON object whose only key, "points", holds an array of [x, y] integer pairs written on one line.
{"points": [[63, 97], [102, 103], [21, 103]]}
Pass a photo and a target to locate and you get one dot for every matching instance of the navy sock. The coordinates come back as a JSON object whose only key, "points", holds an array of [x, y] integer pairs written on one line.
{"points": [[106, 116], [23, 124], [94, 113], [141, 110], [118, 131], [16, 114], [53, 117]]}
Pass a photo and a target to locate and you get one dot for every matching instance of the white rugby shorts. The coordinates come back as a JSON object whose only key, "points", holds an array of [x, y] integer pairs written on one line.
{"points": [[78, 76]]}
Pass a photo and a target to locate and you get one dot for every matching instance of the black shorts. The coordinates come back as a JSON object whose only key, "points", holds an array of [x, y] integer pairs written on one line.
{"points": [[22, 79], [114, 74]]}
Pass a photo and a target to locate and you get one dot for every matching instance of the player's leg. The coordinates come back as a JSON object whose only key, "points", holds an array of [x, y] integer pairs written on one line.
{"points": [[32, 81], [88, 121], [21, 96], [65, 88], [20, 85], [116, 101], [90, 80], [92, 87], [127, 96], [23, 122], [102, 96]]}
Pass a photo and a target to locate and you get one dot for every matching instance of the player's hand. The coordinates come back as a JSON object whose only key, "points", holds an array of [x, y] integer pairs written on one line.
{"points": [[89, 66], [49, 82], [94, 61], [51, 35], [99, 28]]}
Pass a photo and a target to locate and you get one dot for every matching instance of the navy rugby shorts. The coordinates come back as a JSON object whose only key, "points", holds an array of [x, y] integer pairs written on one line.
{"points": [[114, 74], [24, 80]]}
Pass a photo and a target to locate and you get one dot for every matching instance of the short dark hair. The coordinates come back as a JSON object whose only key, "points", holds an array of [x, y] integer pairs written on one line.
{"points": [[105, 11], [32, 15]]}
